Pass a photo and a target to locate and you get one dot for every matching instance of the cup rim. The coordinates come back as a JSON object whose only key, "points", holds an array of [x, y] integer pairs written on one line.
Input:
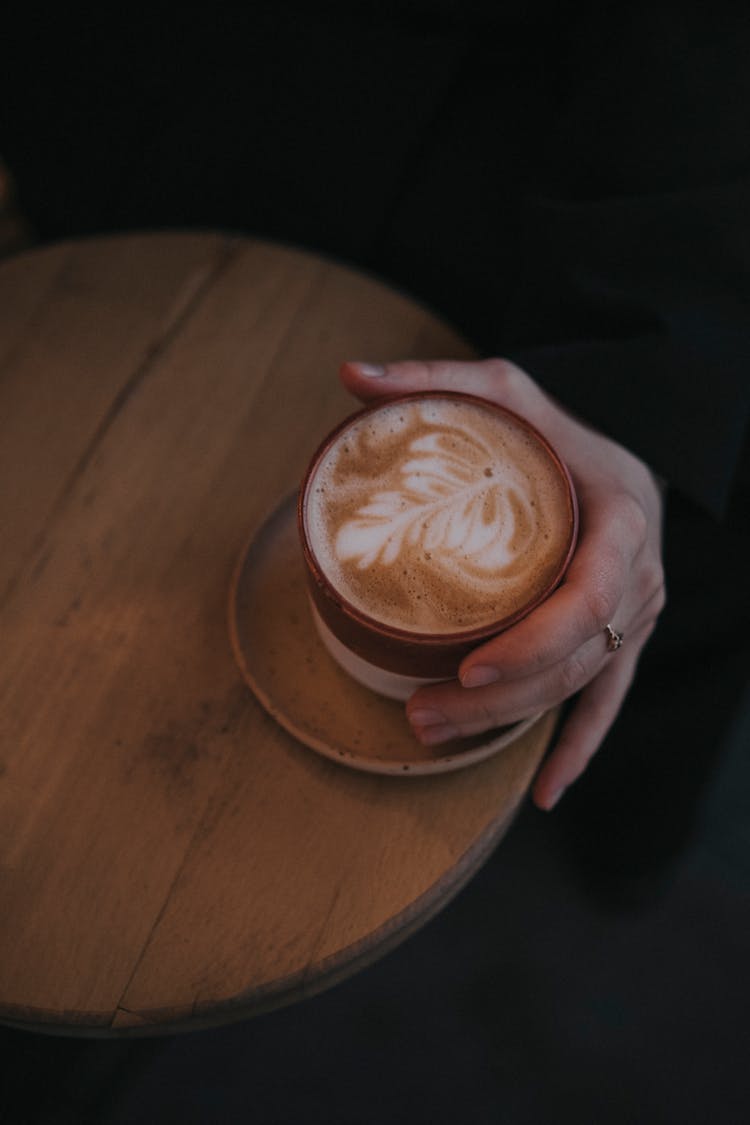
{"points": [[466, 636]]}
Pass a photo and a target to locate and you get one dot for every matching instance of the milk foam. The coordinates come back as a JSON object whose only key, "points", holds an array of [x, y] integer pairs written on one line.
{"points": [[437, 515]]}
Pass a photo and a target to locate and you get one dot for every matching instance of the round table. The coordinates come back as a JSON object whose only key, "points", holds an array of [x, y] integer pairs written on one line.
{"points": [[170, 857]]}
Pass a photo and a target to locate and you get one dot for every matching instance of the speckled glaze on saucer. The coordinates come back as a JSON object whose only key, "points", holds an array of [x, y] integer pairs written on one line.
{"points": [[284, 662]]}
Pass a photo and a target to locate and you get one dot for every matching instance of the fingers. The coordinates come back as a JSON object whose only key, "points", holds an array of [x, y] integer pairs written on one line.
{"points": [[497, 380], [445, 711], [597, 591], [448, 710], [587, 725], [615, 578]]}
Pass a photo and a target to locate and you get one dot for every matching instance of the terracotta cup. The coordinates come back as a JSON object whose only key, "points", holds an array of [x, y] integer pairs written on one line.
{"points": [[394, 661]]}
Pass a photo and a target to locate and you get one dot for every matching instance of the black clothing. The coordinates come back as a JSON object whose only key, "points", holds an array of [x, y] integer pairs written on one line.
{"points": [[572, 191]]}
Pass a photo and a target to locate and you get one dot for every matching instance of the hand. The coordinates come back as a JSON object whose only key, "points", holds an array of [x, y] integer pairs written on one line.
{"points": [[615, 577]]}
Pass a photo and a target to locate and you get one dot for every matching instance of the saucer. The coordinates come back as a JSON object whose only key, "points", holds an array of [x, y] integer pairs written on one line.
{"points": [[284, 662]]}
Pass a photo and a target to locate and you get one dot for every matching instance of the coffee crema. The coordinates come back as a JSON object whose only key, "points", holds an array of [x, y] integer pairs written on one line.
{"points": [[438, 516]]}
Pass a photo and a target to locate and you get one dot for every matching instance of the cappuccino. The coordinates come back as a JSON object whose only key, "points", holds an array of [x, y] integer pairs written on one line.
{"points": [[428, 524], [438, 515]]}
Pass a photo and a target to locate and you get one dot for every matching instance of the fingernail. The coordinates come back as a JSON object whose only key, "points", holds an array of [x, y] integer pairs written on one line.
{"points": [[422, 717], [479, 676], [370, 370]]}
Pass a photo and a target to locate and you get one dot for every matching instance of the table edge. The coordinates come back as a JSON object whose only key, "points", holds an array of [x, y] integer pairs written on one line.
{"points": [[304, 984]]}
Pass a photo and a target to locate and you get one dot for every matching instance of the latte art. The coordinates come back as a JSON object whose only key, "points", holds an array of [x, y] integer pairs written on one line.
{"points": [[437, 516], [470, 524]]}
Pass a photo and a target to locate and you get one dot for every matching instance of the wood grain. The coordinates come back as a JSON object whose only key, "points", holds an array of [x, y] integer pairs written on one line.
{"points": [[169, 856]]}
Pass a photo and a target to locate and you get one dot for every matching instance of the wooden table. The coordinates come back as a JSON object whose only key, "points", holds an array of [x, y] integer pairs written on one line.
{"points": [[170, 858]]}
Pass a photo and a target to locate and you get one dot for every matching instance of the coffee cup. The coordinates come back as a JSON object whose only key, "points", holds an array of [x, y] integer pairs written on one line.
{"points": [[430, 523]]}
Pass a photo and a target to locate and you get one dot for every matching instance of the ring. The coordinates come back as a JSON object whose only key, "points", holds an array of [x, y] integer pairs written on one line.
{"points": [[614, 639]]}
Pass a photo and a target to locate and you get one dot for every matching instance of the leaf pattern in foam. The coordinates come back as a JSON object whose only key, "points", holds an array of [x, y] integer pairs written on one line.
{"points": [[446, 505]]}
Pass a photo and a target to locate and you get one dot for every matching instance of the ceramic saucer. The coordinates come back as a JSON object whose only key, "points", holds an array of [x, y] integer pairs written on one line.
{"points": [[285, 664]]}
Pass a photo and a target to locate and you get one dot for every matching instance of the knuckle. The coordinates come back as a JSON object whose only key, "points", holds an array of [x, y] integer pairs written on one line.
{"points": [[542, 656], [661, 597], [655, 607], [485, 714], [499, 368], [648, 630], [507, 378], [652, 591], [433, 369], [632, 515], [650, 581], [658, 599], [573, 675], [600, 605]]}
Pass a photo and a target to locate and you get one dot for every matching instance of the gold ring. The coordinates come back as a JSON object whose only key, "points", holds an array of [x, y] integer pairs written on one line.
{"points": [[614, 639]]}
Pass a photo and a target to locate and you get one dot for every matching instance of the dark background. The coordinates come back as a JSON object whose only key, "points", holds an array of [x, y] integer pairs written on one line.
{"points": [[524, 1002], [495, 164]]}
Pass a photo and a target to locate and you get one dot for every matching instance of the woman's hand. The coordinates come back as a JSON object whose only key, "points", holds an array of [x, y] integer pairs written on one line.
{"points": [[615, 578]]}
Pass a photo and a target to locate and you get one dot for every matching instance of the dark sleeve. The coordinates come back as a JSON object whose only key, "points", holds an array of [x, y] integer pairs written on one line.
{"points": [[633, 303]]}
